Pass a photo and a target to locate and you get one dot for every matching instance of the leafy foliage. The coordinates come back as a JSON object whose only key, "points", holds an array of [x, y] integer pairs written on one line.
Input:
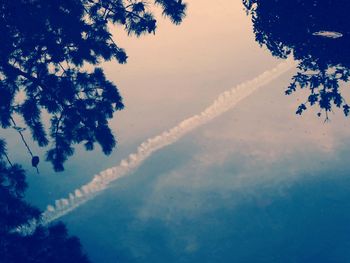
{"points": [[287, 27], [45, 48], [50, 244]]}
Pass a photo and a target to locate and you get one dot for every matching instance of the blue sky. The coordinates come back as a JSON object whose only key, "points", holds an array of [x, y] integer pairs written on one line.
{"points": [[257, 184], [245, 187]]}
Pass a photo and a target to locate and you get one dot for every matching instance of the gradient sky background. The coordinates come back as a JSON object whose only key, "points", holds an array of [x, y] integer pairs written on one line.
{"points": [[257, 184]]}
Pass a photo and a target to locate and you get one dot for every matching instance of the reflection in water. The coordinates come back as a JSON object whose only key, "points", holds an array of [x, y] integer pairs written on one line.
{"points": [[100, 182], [241, 205], [317, 34], [329, 34]]}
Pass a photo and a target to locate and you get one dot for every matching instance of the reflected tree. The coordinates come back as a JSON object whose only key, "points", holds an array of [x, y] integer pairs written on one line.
{"points": [[46, 48], [46, 244], [317, 34], [50, 52]]}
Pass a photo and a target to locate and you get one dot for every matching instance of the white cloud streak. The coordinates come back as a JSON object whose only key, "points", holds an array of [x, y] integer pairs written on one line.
{"points": [[224, 102]]}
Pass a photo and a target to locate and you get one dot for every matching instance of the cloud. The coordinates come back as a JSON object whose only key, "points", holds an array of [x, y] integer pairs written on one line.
{"points": [[100, 182]]}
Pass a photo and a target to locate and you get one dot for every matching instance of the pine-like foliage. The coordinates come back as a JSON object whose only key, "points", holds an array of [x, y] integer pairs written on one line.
{"points": [[45, 47], [45, 245]]}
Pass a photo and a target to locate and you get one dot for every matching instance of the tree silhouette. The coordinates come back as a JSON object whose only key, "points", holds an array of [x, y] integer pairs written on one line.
{"points": [[46, 244], [317, 33], [45, 48]]}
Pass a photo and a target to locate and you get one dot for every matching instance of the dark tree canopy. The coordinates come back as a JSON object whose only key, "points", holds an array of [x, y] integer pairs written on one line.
{"points": [[47, 244], [296, 27], [45, 47]]}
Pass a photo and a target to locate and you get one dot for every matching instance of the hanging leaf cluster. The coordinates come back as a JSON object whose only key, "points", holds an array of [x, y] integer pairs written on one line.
{"points": [[287, 27]]}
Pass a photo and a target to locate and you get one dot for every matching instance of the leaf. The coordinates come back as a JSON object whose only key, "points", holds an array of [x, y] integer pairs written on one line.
{"points": [[35, 161], [300, 109]]}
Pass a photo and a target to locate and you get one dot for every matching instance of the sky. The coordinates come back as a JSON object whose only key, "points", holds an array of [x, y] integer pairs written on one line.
{"points": [[165, 81], [257, 184]]}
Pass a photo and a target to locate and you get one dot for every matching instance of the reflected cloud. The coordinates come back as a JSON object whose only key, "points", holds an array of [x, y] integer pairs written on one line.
{"points": [[243, 154]]}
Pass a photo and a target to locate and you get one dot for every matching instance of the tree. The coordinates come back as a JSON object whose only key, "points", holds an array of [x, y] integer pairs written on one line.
{"points": [[45, 48], [47, 244], [317, 33]]}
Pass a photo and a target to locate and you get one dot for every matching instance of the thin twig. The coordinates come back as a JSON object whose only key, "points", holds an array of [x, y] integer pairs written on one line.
{"points": [[8, 159], [23, 139]]}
